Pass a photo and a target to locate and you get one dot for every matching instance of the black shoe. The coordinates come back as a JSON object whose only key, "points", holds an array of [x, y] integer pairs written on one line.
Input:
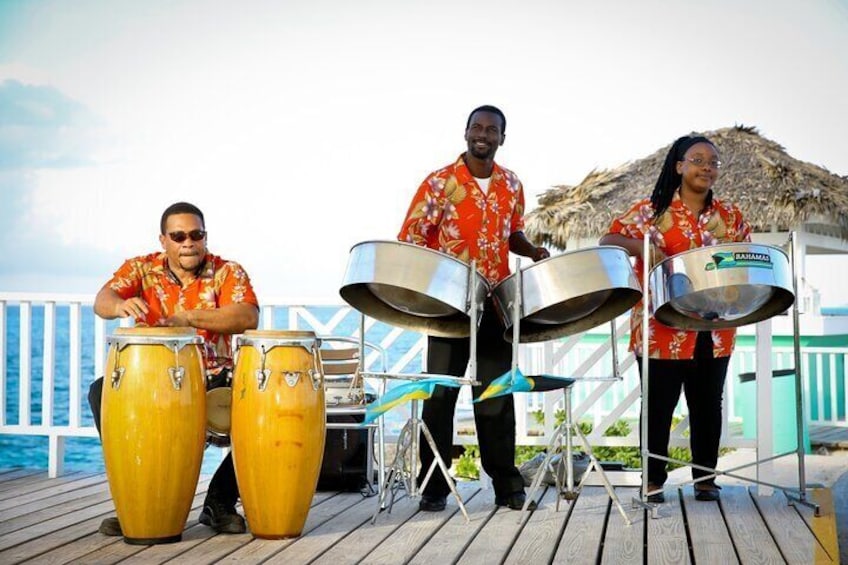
{"points": [[432, 503], [706, 492], [656, 497], [515, 501], [222, 518], [110, 527]]}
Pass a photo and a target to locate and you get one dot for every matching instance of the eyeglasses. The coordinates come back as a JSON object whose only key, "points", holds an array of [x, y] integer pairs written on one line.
{"points": [[180, 236], [698, 162]]}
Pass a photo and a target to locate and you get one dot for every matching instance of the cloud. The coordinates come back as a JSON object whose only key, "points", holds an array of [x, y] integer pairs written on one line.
{"points": [[40, 128]]}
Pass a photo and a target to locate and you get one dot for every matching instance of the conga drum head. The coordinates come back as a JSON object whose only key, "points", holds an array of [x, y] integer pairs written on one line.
{"points": [[412, 287], [568, 293], [722, 286]]}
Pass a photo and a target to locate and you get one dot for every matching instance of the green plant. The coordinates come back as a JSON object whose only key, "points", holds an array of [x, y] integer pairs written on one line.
{"points": [[466, 466]]}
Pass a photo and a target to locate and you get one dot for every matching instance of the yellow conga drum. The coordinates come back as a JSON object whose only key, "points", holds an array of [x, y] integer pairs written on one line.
{"points": [[153, 429], [277, 429]]}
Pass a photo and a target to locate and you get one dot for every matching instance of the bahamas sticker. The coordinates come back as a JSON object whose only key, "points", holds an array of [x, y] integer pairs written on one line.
{"points": [[734, 259]]}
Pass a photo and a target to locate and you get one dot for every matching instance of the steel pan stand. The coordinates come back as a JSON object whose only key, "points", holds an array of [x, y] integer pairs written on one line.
{"points": [[404, 467], [565, 429], [794, 495]]}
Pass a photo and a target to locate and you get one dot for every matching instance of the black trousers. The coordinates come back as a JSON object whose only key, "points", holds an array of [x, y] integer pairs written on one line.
{"points": [[222, 488], [495, 418], [702, 381]]}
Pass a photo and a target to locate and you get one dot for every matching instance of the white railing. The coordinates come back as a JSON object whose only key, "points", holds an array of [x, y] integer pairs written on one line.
{"points": [[587, 356]]}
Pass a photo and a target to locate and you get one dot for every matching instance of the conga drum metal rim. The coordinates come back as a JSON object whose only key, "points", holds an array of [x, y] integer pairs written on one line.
{"points": [[268, 339], [411, 287], [142, 335], [721, 286], [569, 293]]}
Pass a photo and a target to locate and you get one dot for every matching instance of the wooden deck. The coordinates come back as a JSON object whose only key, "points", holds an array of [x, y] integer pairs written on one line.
{"points": [[55, 521]]}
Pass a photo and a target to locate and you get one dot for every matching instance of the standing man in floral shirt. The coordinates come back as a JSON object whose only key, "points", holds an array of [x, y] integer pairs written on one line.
{"points": [[184, 285], [473, 209]]}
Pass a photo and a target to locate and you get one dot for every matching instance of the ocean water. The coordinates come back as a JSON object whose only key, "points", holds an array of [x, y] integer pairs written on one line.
{"points": [[85, 454]]}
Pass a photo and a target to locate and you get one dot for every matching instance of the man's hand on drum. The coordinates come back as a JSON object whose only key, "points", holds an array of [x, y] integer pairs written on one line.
{"points": [[178, 319], [135, 307], [540, 253]]}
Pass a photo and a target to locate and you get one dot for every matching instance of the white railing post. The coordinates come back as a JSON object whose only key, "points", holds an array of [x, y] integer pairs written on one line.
{"points": [[47, 364], [56, 457], [25, 376], [74, 365], [765, 442], [2, 363]]}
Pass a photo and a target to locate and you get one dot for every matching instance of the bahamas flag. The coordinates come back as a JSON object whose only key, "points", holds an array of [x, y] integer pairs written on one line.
{"points": [[416, 390], [510, 382]]}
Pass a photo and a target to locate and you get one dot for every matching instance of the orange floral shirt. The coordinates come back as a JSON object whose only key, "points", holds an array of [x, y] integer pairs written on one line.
{"points": [[219, 283], [675, 231], [451, 214]]}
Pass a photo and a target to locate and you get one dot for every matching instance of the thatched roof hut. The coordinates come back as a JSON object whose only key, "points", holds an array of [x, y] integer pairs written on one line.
{"points": [[774, 191]]}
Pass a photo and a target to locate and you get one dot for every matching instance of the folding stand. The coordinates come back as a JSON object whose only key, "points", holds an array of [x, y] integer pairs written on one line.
{"points": [[404, 467], [791, 493], [565, 429]]}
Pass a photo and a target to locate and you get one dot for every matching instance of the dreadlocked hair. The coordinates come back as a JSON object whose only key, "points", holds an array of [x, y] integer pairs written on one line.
{"points": [[669, 179]]}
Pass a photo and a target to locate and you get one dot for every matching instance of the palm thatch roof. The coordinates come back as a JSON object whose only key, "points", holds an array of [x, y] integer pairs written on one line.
{"points": [[772, 189]]}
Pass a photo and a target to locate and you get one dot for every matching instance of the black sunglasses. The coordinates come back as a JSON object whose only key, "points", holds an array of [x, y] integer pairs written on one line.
{"points": [[180, 236]]}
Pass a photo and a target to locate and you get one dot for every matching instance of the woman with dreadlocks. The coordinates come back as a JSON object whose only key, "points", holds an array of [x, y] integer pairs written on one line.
{"points": [[681, 214]]}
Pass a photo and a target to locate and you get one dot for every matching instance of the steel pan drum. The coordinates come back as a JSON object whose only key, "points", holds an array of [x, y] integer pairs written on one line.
{"points": [[722, 286], [569, 293], [412, 287]]}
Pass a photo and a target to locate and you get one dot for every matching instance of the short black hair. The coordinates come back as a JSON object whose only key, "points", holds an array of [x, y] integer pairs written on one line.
{"points": [[180, 208], [491, 110]]}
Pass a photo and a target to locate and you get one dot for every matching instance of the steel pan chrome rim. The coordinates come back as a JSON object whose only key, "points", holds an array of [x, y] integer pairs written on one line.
{"points": [[412, 287], [569, 293], [722, 286]]}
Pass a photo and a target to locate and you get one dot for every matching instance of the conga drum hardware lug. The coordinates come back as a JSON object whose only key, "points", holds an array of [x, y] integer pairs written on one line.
{"points": [[315, 377], [291, 377], [262, 376], [176, 374], [117, 374]]}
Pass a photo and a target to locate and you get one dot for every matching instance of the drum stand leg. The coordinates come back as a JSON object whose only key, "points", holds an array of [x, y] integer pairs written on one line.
{"points": [[403, 469], [565, 430]]}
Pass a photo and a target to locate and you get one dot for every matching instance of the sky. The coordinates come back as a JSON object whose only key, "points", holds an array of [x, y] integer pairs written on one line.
{"points": [[303, 127]]}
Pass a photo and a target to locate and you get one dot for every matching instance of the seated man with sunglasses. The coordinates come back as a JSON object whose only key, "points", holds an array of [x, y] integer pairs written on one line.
{"points": [[185, 285]]}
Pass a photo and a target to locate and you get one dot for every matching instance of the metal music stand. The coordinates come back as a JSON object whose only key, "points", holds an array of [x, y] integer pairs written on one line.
{"points": [[795, 495], [566, 428], [404, 467]]}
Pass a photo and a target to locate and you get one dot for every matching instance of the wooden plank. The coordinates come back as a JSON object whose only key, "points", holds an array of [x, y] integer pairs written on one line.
{"points": [[62, 531], [449, 542], [54, 490], [708, 534], [26, 506], [623, 543], [823, 528], [497, 536], [217, 547], [796, 541], [327, 535], [751, 538], [44, 513], [581, 540], [25, 477], [538, 540], [667, 542], [401, 546], [258, 550], [362, 541]]}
